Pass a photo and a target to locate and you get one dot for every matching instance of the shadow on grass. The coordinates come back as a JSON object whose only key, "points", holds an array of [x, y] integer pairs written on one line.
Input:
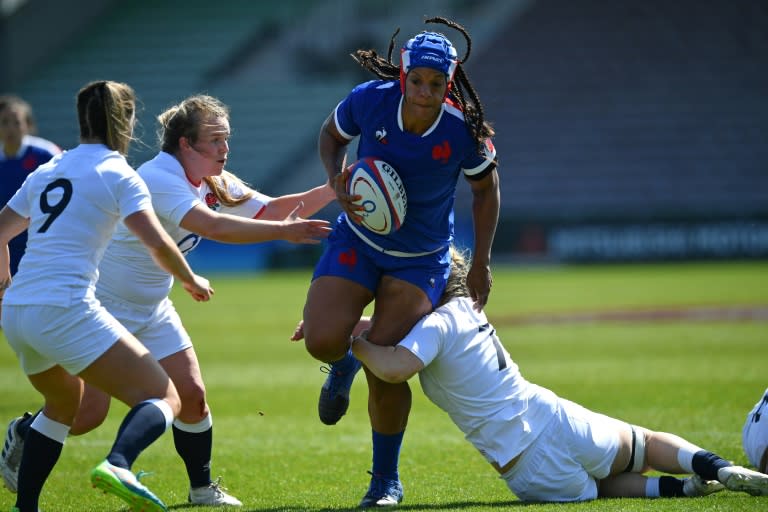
{"points": [[414, 506]]}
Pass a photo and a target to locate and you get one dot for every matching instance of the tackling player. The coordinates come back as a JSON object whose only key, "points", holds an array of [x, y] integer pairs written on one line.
{"points": [[545, 447]]}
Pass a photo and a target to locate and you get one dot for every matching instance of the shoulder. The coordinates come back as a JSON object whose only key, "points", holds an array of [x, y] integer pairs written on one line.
{"points": [[42, 145], [374, 91], [162, 169]]}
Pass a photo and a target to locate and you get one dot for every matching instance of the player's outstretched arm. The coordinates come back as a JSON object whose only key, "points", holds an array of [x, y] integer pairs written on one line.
{"points": [[232, 229], [313, 200]]}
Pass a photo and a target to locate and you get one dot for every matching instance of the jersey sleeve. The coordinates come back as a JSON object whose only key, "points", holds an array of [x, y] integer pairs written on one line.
{"points": [[476, 165], [348, 113], [134, 195], [426, 338], [172, 197], [252, 208]]}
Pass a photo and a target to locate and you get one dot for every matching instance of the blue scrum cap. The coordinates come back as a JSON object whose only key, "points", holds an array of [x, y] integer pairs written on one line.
{"points": [[428, 50]]}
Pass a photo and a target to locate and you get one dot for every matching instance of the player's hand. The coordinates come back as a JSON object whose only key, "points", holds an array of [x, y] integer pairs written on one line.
{"points": [[479, 283], [347, 201], [304, 231], [298, 332], [199, 288]]}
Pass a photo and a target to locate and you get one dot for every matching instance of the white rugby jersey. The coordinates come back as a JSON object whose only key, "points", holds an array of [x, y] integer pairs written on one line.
{"points": [[74, 203], [470, 375], [755, 431], [128, 271]]}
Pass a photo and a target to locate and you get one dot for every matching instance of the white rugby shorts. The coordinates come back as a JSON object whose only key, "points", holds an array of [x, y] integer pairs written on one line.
{"points": [[157, 326], [73, 336], [575, 450]]}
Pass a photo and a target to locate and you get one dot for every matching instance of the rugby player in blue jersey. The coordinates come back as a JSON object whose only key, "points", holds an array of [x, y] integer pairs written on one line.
{"points": [[425, 119], [21, 151]]}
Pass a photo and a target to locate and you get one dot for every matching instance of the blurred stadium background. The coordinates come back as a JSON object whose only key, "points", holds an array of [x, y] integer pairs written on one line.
{"points": [[627, 130]]}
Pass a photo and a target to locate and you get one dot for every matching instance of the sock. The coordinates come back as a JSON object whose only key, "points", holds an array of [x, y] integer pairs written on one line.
{"points": [[346, 364], [194, 444], [143, 424], [23, 426], [706, 464], [652, 487], [670, 486], [386, 454], [42, 448]]}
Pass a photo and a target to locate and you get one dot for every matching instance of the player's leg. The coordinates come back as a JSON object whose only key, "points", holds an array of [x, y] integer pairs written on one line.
{"points": [[399, 305], [672, 454], [46, 435], [342, 285], [128, 372], [193, 429], [333, 308], [640, 450]]}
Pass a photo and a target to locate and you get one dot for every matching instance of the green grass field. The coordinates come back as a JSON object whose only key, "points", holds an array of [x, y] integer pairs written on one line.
{"points": [[696, 377]]}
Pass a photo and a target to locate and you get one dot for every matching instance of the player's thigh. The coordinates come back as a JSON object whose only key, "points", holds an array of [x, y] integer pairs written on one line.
{"points": [[62, 392], [333, 308], [398, 306], [128, 372]]}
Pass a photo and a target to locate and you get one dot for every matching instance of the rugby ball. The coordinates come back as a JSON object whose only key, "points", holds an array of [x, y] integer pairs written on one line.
{"points": [[382, 194]]}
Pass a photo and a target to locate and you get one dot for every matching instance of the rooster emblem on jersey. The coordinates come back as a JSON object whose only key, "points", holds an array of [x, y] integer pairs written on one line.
{"points": [[381, 135]]}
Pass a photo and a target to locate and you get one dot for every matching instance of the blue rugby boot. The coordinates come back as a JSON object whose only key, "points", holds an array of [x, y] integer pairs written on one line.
{"points": [[382, 492], [334, 395]]}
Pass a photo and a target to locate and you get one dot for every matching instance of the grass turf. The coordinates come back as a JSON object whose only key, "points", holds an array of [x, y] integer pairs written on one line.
{"points": [[695, 377]]}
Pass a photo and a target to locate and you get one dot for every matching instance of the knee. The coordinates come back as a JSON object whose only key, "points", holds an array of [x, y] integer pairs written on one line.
{"points": [[326, 345], [173, 400], [193, 404]]}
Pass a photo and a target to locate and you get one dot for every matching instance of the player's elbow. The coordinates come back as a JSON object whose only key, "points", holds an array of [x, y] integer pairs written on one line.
{"points": [[395, 374]]}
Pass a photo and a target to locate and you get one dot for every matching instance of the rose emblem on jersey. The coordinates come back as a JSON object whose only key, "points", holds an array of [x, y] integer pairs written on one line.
{"points": [[211, 201]]}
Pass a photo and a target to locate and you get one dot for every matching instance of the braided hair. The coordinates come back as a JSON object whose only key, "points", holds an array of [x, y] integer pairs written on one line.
{"points": [[462, 92]]}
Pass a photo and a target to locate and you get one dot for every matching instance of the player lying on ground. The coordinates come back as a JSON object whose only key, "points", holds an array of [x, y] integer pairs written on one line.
{"points": [[545, 447], [755, 434]]}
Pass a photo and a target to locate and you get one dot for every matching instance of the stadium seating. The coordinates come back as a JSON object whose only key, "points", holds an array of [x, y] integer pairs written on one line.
{"points": [[625, 110]]}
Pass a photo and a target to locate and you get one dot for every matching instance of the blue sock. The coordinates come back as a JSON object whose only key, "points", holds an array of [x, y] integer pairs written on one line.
{"points": [[706, 464], [346, 364], [141, 427], [38, 458], [386, 454], [195, 449], [670, 486]]}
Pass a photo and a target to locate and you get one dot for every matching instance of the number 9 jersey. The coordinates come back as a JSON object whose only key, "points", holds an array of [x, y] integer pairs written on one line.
{"points": [[73, 204]]}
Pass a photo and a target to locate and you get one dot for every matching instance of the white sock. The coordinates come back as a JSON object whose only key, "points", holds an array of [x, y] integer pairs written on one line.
{"points": [[685, 457], [51, 429], [195, 428], [652, 487]]}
